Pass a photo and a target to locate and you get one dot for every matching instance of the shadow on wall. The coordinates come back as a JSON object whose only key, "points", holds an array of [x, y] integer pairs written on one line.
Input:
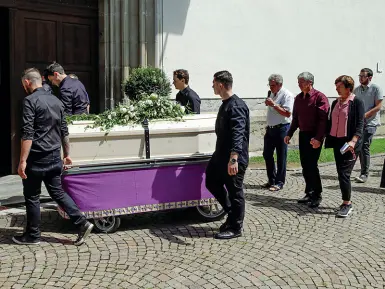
{"points": [[175, 12]]}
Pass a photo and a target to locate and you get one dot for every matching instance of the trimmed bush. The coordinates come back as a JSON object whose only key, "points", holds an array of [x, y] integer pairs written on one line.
{"points": [[146, 81]]}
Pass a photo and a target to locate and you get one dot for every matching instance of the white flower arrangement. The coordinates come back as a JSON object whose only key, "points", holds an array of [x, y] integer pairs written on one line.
{"points": [[151, 107]]}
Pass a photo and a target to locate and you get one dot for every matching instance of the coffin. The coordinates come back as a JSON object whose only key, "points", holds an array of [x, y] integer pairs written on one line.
{"points": [[194, 135]]}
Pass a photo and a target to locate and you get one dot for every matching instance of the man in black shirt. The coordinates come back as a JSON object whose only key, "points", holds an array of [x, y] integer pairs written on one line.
{"points": [[231, 157], [186, 96], [44, 130], [73, 94], [46, 82]]}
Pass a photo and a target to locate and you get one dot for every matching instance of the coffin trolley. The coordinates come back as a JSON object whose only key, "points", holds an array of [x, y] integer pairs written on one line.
{"points": [[104, 189]]}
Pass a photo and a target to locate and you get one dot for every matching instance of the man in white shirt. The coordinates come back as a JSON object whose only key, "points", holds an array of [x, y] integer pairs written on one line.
{"points": [[279, 109]]}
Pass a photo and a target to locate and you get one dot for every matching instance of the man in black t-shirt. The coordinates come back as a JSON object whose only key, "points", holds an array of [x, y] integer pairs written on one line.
{"points": [[186, 96]]}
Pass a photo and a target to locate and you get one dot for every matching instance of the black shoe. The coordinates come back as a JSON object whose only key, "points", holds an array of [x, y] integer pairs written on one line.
{"points": [[25, 240], [224, 227], [344, 210], [266, 186], [314, 203], [229, 234], [85, 230], [306, 199]]}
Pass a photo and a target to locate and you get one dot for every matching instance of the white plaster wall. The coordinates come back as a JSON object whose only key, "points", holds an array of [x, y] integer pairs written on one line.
{"points": [[254, 38]]}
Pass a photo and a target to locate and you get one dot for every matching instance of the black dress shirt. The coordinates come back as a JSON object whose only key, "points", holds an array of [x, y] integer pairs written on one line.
{"points": [[43, 121], [47, 87], [232, 128], [190, 99], [74, 96]]}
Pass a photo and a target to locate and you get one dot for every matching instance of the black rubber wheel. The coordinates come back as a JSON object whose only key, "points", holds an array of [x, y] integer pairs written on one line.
{"points": [[211, 213], [106, 224]]}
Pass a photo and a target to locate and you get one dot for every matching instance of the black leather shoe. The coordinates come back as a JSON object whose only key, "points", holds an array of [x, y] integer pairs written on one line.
{"points": [[229, 234], [25, 240], [315, 203], [306, 199], [224, 227]]}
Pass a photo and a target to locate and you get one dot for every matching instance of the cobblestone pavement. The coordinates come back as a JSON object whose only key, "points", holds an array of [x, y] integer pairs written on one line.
{"points": [[285, 245]]}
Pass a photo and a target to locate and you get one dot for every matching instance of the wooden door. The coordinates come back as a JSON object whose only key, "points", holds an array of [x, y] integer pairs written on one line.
{"points": [[5, 95], [42, 37], [70, 41]]}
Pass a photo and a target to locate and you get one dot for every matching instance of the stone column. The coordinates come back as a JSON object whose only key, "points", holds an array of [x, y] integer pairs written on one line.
{"points": [[127, 40]]}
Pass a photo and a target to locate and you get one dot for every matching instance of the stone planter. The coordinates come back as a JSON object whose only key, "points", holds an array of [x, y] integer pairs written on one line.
{"points": [[193, 136]]}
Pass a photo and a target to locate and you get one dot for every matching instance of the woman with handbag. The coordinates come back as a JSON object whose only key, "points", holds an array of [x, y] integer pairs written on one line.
{"points": [[344, 135]]}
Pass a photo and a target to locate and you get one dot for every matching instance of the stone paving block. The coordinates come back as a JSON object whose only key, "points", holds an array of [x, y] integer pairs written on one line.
{"points": [[284, 245]]}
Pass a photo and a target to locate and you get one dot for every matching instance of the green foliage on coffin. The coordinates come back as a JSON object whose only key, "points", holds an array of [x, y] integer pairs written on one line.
{"points": [[146, 80], [148, 90], [151, 107]]}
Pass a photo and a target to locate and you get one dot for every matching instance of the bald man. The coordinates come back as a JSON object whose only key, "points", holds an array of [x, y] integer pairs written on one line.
{"points": [[44, 132]]}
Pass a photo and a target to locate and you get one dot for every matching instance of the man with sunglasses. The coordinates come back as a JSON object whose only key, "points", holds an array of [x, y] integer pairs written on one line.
{"points": [[371, 95]]}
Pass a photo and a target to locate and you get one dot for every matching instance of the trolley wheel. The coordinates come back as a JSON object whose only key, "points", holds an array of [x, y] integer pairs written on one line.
{"points": [[106, 224], [211, 213]]}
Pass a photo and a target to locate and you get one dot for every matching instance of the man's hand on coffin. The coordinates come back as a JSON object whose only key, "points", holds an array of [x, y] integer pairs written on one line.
{"points": [[232, 168], [67, 162], [21, 170]]}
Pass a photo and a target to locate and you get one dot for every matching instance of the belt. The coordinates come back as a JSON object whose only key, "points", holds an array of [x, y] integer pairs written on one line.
{"points": [[277, 126]]}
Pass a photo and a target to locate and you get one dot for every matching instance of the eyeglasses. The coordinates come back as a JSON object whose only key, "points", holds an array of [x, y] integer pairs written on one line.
{"points": [[362, 76]]}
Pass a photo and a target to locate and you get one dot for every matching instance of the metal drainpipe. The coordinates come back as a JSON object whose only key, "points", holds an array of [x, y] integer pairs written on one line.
{"points": [[125, 35], [142, 33], [111, 54], [125, 45], [158, 33]]}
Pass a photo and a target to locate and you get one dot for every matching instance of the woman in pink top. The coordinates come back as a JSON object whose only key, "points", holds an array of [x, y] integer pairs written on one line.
{"points": [[345, 127]]}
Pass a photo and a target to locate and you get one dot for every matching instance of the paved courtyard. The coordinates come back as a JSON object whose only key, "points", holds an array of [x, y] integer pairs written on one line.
{"points": [[285, 245]]}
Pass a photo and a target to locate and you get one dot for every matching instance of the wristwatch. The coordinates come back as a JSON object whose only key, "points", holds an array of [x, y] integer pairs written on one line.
{"points": [[233, 161]]}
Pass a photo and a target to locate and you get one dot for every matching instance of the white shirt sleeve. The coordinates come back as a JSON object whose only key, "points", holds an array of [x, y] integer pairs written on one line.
{"points": [[288, 101]]}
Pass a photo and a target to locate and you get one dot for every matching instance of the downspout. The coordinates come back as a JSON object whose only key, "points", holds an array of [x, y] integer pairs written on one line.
{"points": [[117, 68], [142, 33], [158, 33], [111, 54], [125, 36], [125, 46]]}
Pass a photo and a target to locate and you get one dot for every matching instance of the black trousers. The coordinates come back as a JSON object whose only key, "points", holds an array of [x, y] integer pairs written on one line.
{"points": [[309, 162], [344, 164], [47, 169], [274, 140], [228, 190]]}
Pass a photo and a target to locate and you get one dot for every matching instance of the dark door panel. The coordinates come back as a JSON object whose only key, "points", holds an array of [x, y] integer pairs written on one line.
{"points": [[39, 38], [5, 94]]}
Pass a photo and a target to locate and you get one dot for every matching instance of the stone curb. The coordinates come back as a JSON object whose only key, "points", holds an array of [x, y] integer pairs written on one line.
{"points": [[319, 165]]}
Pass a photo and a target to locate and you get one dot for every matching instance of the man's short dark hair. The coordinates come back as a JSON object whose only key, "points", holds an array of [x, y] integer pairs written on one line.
{"points": [[368, 71], [32, 74], [55, 67], [182, 74], [45, 74], [225, 78]]}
